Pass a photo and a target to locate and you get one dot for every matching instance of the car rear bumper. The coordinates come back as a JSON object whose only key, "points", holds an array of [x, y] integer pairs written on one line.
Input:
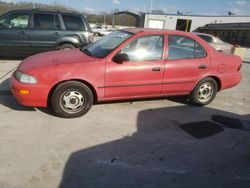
{"points": [[230, 80], [34, 95]]}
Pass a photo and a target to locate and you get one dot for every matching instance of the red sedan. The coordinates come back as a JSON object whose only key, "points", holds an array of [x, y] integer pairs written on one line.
{"points": [[126, 64]]}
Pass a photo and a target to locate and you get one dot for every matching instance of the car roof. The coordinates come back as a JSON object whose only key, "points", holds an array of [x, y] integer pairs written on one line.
{"points": [[204, 34], [45, 11], [156, 31]]}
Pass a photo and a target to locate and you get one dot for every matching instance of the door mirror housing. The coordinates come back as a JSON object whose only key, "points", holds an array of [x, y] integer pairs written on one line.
{"points": [[120, 58]]}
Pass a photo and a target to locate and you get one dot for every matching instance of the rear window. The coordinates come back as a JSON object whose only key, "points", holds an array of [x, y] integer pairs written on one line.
{"points": [[46, 21], [206, 38], [73, 23], [182, 47]]}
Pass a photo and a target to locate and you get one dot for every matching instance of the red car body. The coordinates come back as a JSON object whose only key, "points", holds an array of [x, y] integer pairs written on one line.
{"points": [[109, 80]]}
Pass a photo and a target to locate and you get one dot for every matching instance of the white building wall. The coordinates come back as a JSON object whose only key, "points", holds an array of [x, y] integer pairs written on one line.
{"points": [[169, 21]]}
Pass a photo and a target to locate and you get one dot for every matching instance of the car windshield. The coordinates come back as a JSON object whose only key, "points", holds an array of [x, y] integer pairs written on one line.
{"points": [[102, 47]]}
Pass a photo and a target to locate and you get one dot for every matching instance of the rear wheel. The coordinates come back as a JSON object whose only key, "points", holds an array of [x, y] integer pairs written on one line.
{"points": [[71, 99], [204, 92], [66, 47]]}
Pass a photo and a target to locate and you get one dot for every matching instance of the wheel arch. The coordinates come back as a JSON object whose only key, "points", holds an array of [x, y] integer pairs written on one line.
{"points": [[90, 86], [69, 39], [217, 79], [65, 42]]}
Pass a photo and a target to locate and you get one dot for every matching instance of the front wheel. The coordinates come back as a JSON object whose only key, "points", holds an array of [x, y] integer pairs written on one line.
{"points": [[204, 92], [71, 99]]}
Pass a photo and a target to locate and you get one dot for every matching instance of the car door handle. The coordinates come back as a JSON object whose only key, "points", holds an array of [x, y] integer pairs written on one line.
{"points": [[156, 69], [22, 33], [202, 66]]}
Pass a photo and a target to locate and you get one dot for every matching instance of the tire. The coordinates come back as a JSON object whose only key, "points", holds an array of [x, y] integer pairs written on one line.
{"points": [[66, 47], [71, 99], [204, 92]]}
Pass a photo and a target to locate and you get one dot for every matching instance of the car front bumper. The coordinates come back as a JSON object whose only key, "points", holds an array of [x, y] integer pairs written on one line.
{"points": [[34, 95]]}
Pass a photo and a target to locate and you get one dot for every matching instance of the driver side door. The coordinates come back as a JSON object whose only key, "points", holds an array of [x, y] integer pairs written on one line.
{"points": [[142, 74], [14, 34]]}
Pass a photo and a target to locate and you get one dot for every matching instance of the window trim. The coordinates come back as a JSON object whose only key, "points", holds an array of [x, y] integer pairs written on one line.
{"points": [[195, 41]]}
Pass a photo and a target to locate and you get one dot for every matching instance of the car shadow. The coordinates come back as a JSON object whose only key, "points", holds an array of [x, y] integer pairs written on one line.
{"points": [[48, 111], [178, 99], [172, 147], [12, 58]]}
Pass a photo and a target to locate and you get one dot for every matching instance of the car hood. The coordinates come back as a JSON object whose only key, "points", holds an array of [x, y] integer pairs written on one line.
{"points": [[55, 58]]}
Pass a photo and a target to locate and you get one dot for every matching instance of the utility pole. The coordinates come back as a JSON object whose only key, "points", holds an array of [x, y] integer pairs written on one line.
{"points": [[151, 6], [113, 20], [104, 18], [144, 8]]}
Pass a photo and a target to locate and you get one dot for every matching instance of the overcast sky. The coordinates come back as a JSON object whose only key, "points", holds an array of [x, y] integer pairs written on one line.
{"points": [[203, 7]]}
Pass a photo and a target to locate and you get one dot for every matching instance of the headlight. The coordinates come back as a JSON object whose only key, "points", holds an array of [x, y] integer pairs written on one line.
{"points": [[25, 78]]}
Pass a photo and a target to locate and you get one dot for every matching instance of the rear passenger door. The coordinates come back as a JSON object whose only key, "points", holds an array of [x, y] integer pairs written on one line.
{"points": [[46, 31], [186, 63]]}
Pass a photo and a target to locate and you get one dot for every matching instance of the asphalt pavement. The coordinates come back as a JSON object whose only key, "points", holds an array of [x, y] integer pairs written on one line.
{"points": [[148, 144]]}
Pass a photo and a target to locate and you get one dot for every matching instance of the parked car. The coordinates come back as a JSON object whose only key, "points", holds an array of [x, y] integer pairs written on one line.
{"points": [[216, 43], [100, 31], [127, 64], [27, 32]]}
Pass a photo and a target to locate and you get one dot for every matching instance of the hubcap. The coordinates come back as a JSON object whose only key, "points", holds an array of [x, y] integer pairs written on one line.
{"points": [[72, 101], [205, 92]]}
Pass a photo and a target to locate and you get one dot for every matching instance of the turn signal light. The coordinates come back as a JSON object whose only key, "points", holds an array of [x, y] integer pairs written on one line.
{"points": [[24, 91]]}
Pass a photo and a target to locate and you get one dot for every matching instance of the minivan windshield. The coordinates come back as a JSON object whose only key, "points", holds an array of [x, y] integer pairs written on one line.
{"points": [[102, 47]]}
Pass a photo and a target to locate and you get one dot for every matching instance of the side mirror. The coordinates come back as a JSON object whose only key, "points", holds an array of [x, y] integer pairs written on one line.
{"points": [[120, 58]]}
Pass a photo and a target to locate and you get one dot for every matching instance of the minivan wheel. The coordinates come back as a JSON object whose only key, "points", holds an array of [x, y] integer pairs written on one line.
{"points": [[71, 99], [66, 47], [204, 92]]}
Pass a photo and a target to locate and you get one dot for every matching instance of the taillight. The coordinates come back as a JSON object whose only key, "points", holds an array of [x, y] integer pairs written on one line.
{"points": [[91, 37]]}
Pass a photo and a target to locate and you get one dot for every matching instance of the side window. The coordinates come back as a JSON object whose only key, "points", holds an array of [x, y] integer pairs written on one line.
{"points": [[181, 47], [73, 23], [199, 51], [46, 21], [16, 20], [145, 48]]}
